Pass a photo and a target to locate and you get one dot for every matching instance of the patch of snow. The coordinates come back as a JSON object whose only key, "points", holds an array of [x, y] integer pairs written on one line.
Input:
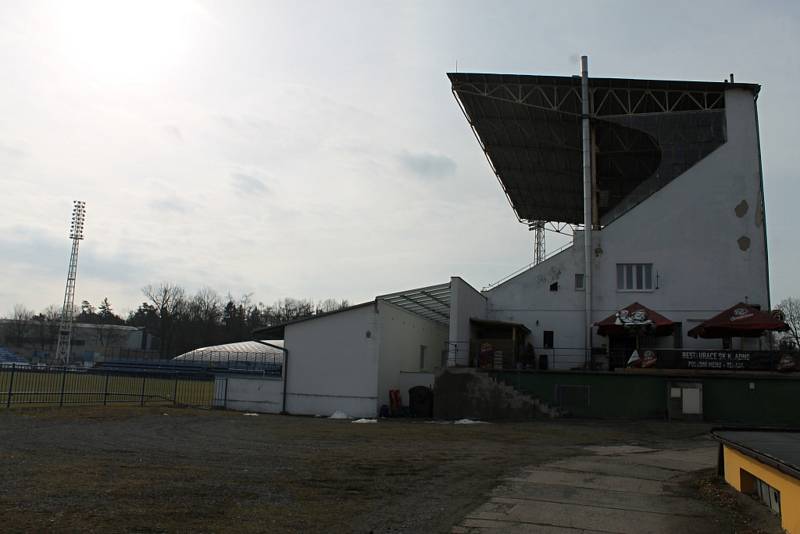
{"points": [[338, 414], [251, 414], [365, 421], [468, 422]]}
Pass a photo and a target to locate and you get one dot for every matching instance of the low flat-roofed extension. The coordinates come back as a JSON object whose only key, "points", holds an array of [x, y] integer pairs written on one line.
{"points": [[777, 448]]}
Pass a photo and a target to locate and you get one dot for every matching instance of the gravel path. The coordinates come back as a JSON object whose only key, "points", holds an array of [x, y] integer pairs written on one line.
{"points": [[612, 489]]}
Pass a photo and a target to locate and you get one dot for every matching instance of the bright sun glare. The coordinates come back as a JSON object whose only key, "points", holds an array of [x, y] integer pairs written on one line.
{"points": [[117, 41]]}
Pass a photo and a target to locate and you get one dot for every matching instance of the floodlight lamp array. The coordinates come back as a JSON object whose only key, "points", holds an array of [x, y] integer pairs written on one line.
{"points": [[78, 218]]}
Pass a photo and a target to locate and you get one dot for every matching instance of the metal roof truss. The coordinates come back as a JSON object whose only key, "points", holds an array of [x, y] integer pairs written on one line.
{"points": [[431, 302]]}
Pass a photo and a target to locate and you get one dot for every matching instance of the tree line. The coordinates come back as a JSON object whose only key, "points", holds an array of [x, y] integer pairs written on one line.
{"points": [[179, 321]]}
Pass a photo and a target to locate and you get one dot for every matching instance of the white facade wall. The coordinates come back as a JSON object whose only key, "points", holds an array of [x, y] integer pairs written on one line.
{"points": [[333, 364], [688, 230], [527, 299], [402, 333], [465, 303]]}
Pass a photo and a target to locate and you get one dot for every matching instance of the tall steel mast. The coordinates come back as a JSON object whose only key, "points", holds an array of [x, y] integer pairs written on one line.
{"points": [[587, 203], [67, 311]]}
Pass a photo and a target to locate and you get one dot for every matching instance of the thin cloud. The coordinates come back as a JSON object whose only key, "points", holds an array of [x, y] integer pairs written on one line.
{"points": [[37, 251], [174, 132], [245, 184], [427, 165], [170, 204], [11, 152]]}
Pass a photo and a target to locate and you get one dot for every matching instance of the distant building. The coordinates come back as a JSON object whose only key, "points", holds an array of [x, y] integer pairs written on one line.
{"points": [[36, 340], [261, 355]]}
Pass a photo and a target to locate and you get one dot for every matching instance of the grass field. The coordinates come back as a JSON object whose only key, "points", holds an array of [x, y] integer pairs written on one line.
{"points": [[30, 387], [164, 469]]}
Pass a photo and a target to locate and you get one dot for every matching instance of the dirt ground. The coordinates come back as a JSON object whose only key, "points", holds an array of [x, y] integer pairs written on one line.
{"points": [[122, 469]]}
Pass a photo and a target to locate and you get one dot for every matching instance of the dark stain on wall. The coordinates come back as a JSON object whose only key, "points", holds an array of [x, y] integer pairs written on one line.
{"points": [[744, 242]]}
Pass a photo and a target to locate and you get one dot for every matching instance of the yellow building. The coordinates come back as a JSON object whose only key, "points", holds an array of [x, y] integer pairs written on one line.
{"points": [[766, 465]]}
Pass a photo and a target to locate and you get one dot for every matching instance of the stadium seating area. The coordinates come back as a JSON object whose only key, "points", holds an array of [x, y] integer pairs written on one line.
{"points": [[8, 357]]}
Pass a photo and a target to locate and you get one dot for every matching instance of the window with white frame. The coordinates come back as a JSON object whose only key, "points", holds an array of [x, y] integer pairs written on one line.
{"points": [[635, 277]]}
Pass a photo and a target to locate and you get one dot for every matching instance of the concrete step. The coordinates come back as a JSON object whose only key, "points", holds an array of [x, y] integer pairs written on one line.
{"points": [[477, 395]]}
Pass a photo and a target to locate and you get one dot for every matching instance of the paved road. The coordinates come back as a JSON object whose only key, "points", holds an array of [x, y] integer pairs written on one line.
{"points": [[620, 489]]}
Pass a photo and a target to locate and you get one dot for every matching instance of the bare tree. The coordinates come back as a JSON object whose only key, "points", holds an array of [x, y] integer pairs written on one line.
{"points": [[19, 325], [46, 325], [329, 305], [791, 311], [205, 311], [168, 300]]}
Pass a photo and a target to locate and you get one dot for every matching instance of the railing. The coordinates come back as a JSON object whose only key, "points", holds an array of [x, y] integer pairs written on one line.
{"points": [[526, 267], [475, 354], [27, 385]]}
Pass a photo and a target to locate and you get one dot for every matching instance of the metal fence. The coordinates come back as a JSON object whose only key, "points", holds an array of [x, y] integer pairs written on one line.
{"points": [[27, 385]]}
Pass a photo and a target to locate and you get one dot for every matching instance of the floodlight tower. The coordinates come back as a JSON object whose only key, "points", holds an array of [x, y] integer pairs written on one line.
{"points": [[65, 329], [538, 240]]}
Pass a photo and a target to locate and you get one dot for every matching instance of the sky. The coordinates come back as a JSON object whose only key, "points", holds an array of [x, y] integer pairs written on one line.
{"points": [[314, 149]]}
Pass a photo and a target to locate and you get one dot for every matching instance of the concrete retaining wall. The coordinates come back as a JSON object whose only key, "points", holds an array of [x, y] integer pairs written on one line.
{"points": [[252, 394], [744, 399], [469, 394]]}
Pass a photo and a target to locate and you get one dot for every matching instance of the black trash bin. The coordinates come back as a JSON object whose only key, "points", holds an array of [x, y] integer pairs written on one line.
{"points": [[420, 401], [543, 362]]}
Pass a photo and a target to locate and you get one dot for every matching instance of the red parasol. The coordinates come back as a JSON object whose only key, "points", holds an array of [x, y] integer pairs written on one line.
{"points": [[632, 319], [741, 320]]}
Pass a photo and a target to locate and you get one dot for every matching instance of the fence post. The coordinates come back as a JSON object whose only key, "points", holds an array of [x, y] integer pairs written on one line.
{"points": [[105, 391], [175, 391], [141, 396], [10, 386], [63, 382]]}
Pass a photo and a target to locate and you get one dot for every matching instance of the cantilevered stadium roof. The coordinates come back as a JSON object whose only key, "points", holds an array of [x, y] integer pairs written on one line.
{"points": [[645, 133]]}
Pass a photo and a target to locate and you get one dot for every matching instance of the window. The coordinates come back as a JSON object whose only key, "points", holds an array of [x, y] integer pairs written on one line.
{"points": [[579, 282], [547, 339], [634, 277], [756, 487], [554, 286]]}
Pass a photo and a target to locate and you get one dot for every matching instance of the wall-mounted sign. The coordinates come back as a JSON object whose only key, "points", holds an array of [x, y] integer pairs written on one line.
{"points": [[725, 360], [706, 359]]}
